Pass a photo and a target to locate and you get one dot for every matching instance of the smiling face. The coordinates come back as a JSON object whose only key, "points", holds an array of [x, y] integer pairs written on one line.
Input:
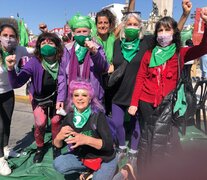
{"points": [[81, 99], [103, 25]]}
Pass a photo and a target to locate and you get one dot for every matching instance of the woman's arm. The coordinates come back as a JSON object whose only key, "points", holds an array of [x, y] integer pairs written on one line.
{"points": [[131, 6], [62, 135], [197, 51], [187, 6], [140, 78], [62, 80]]}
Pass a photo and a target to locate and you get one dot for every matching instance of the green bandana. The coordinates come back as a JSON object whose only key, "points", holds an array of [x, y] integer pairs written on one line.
{"points": [[108, 46], [131, 33], [180, 104], [80, 52], [4, 55], [129, 49], [161, 54], [80, 39], [47, 50], [51, 67], [79, 21], [80, 119]]}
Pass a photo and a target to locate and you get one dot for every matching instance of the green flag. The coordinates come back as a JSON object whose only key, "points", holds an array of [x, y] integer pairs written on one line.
{"points": [[24, 39], [185, 35]]}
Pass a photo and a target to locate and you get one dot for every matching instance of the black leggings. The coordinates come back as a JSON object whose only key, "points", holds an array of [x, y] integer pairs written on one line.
{"points": [[6, 111]]}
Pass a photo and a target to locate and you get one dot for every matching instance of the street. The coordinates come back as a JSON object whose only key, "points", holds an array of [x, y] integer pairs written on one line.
{"points": [[21, 126]]}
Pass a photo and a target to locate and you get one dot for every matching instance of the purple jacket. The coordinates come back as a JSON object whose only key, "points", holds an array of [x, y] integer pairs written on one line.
{"points": [[99, 65], [33, 69]]}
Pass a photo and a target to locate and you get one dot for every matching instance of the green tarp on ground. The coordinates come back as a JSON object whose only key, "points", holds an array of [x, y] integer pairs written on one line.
{"points": [[24, 168]]}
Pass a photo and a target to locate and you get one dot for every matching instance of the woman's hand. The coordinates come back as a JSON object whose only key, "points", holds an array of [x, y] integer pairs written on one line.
{"points": [[59, 105], [187, 6], [92, 46], [111, 68], [77, 139], [10, 62], [132, 110], [65, 132], [204, 14]]}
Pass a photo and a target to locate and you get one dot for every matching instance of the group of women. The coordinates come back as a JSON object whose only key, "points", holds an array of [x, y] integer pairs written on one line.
{"points": [[72, 79]]}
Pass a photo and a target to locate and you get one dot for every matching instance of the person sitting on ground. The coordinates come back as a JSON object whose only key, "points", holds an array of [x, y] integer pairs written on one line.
{"points": [[87, 134], [43, 71]]}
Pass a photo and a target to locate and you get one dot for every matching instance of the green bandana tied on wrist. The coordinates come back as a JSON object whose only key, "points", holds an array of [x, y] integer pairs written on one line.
{"points": [[51, 67], [80, 119], [161, 54], [129, 49]]}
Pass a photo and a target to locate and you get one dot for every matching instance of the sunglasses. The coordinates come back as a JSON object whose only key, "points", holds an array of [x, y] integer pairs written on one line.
{"points": [[43, 27]]}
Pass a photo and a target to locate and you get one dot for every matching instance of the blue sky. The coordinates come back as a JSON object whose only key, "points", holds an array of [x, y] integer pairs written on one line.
{"points": [[56, 12]]}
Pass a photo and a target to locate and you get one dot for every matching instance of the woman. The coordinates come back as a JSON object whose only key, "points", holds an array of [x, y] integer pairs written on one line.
{"points": [[8, 45], [128, 52], [43, 71], [106, 36], [157, 77], [86, 60], [86, 132]]}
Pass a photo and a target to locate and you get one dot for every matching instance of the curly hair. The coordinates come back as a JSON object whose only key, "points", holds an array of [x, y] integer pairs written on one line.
{"points": [[54, 38], [83, 84], [169, 22], [111, 18]]}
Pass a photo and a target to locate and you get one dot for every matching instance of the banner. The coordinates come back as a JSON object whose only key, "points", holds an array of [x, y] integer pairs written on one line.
{"points": [[198, 28]]}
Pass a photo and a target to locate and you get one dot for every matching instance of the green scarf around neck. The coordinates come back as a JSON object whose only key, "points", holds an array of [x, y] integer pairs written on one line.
{"points": [[161, 54], [108, 46], [51, 67], [129, 49], [80, 119], [80, 52]]}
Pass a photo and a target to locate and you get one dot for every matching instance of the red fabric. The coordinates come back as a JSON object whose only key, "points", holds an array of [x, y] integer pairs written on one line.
{"points": [[41, 118], [147, 88], [93, 164]]}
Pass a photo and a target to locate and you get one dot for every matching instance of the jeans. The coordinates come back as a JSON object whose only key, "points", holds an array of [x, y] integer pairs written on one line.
{"points": [[203, 66], [70, 163]]}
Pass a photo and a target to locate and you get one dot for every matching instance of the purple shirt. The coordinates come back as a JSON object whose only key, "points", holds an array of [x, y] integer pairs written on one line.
{"points": [[98, 65]]}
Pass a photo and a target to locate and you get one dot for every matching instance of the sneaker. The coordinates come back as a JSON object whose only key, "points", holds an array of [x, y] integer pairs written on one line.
{"points": [[121, 153], [39, 155], [10, 153], [4, 167]]}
